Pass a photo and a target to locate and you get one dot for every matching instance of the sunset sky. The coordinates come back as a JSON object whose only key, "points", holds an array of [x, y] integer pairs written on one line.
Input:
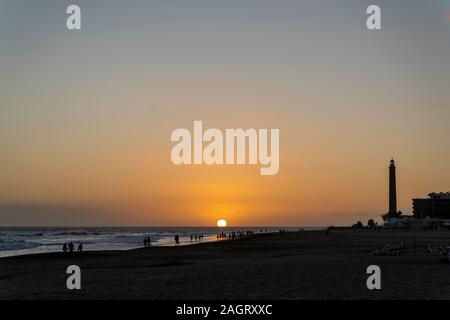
{"points": [[86, 116]]}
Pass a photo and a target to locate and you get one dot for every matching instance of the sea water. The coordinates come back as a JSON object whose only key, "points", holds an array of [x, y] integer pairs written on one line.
{"points": [[30, 240]]}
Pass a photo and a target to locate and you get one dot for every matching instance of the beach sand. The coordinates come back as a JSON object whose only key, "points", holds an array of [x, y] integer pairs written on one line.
{"points": [[300, 265]]}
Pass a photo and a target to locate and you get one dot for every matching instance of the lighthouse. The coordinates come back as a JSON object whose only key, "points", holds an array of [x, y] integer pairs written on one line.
{"points": [[392, 190]]}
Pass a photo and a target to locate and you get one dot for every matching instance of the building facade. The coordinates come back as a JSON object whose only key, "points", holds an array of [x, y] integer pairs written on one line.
{"points": [[436, 206]]}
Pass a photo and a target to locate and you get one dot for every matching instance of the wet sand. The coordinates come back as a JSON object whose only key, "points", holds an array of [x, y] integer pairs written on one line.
{"points": [[303, 265]]}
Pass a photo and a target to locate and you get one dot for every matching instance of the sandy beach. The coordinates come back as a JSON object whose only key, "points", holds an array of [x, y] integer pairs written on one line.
{"points": [[298, 265]]}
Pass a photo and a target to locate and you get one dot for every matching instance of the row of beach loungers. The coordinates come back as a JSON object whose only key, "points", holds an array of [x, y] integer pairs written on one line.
{"points": [[391, 250], [397, 250], [438, 249]]}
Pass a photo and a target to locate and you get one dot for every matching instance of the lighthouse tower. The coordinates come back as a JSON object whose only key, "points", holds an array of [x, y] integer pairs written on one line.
{"points": [[392, 190]]}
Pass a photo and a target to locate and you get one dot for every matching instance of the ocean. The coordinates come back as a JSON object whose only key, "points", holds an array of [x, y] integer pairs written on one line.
{"points": [[30, 240]]}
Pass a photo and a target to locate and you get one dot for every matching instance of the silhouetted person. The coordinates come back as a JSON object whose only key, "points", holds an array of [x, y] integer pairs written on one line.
{"points": [[80, 247], [71, 246], [65, 247], [177, 239], [149, 242]]}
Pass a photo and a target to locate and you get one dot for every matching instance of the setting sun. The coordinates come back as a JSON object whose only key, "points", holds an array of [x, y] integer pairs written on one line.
{"points": [[221, 223]]}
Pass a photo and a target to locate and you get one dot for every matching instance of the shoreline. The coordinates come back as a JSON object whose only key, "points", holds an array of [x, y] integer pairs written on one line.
{"points": [[38, 241], [185, 244]]}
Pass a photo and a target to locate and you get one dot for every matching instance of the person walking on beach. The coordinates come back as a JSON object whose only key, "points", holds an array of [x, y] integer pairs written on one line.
{"points": [[80, 247], [177, 239], [65, 248], [147, 242], [71, 246]]}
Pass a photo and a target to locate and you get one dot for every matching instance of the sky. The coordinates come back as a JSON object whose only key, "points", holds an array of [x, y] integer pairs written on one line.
{"points": [[86, 116]]}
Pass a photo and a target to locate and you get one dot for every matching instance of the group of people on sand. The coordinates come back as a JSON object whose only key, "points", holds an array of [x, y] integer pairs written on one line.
{"points": [[221, 236], [147, 242], [235, 235], [70, 247], [196, 237]]}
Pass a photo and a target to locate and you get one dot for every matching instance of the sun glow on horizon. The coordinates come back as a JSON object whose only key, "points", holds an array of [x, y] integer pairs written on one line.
{"points": [[222, 223]]}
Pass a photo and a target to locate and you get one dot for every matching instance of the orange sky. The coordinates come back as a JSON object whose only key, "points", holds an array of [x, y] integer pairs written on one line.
{"points": [[86, 118]]}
